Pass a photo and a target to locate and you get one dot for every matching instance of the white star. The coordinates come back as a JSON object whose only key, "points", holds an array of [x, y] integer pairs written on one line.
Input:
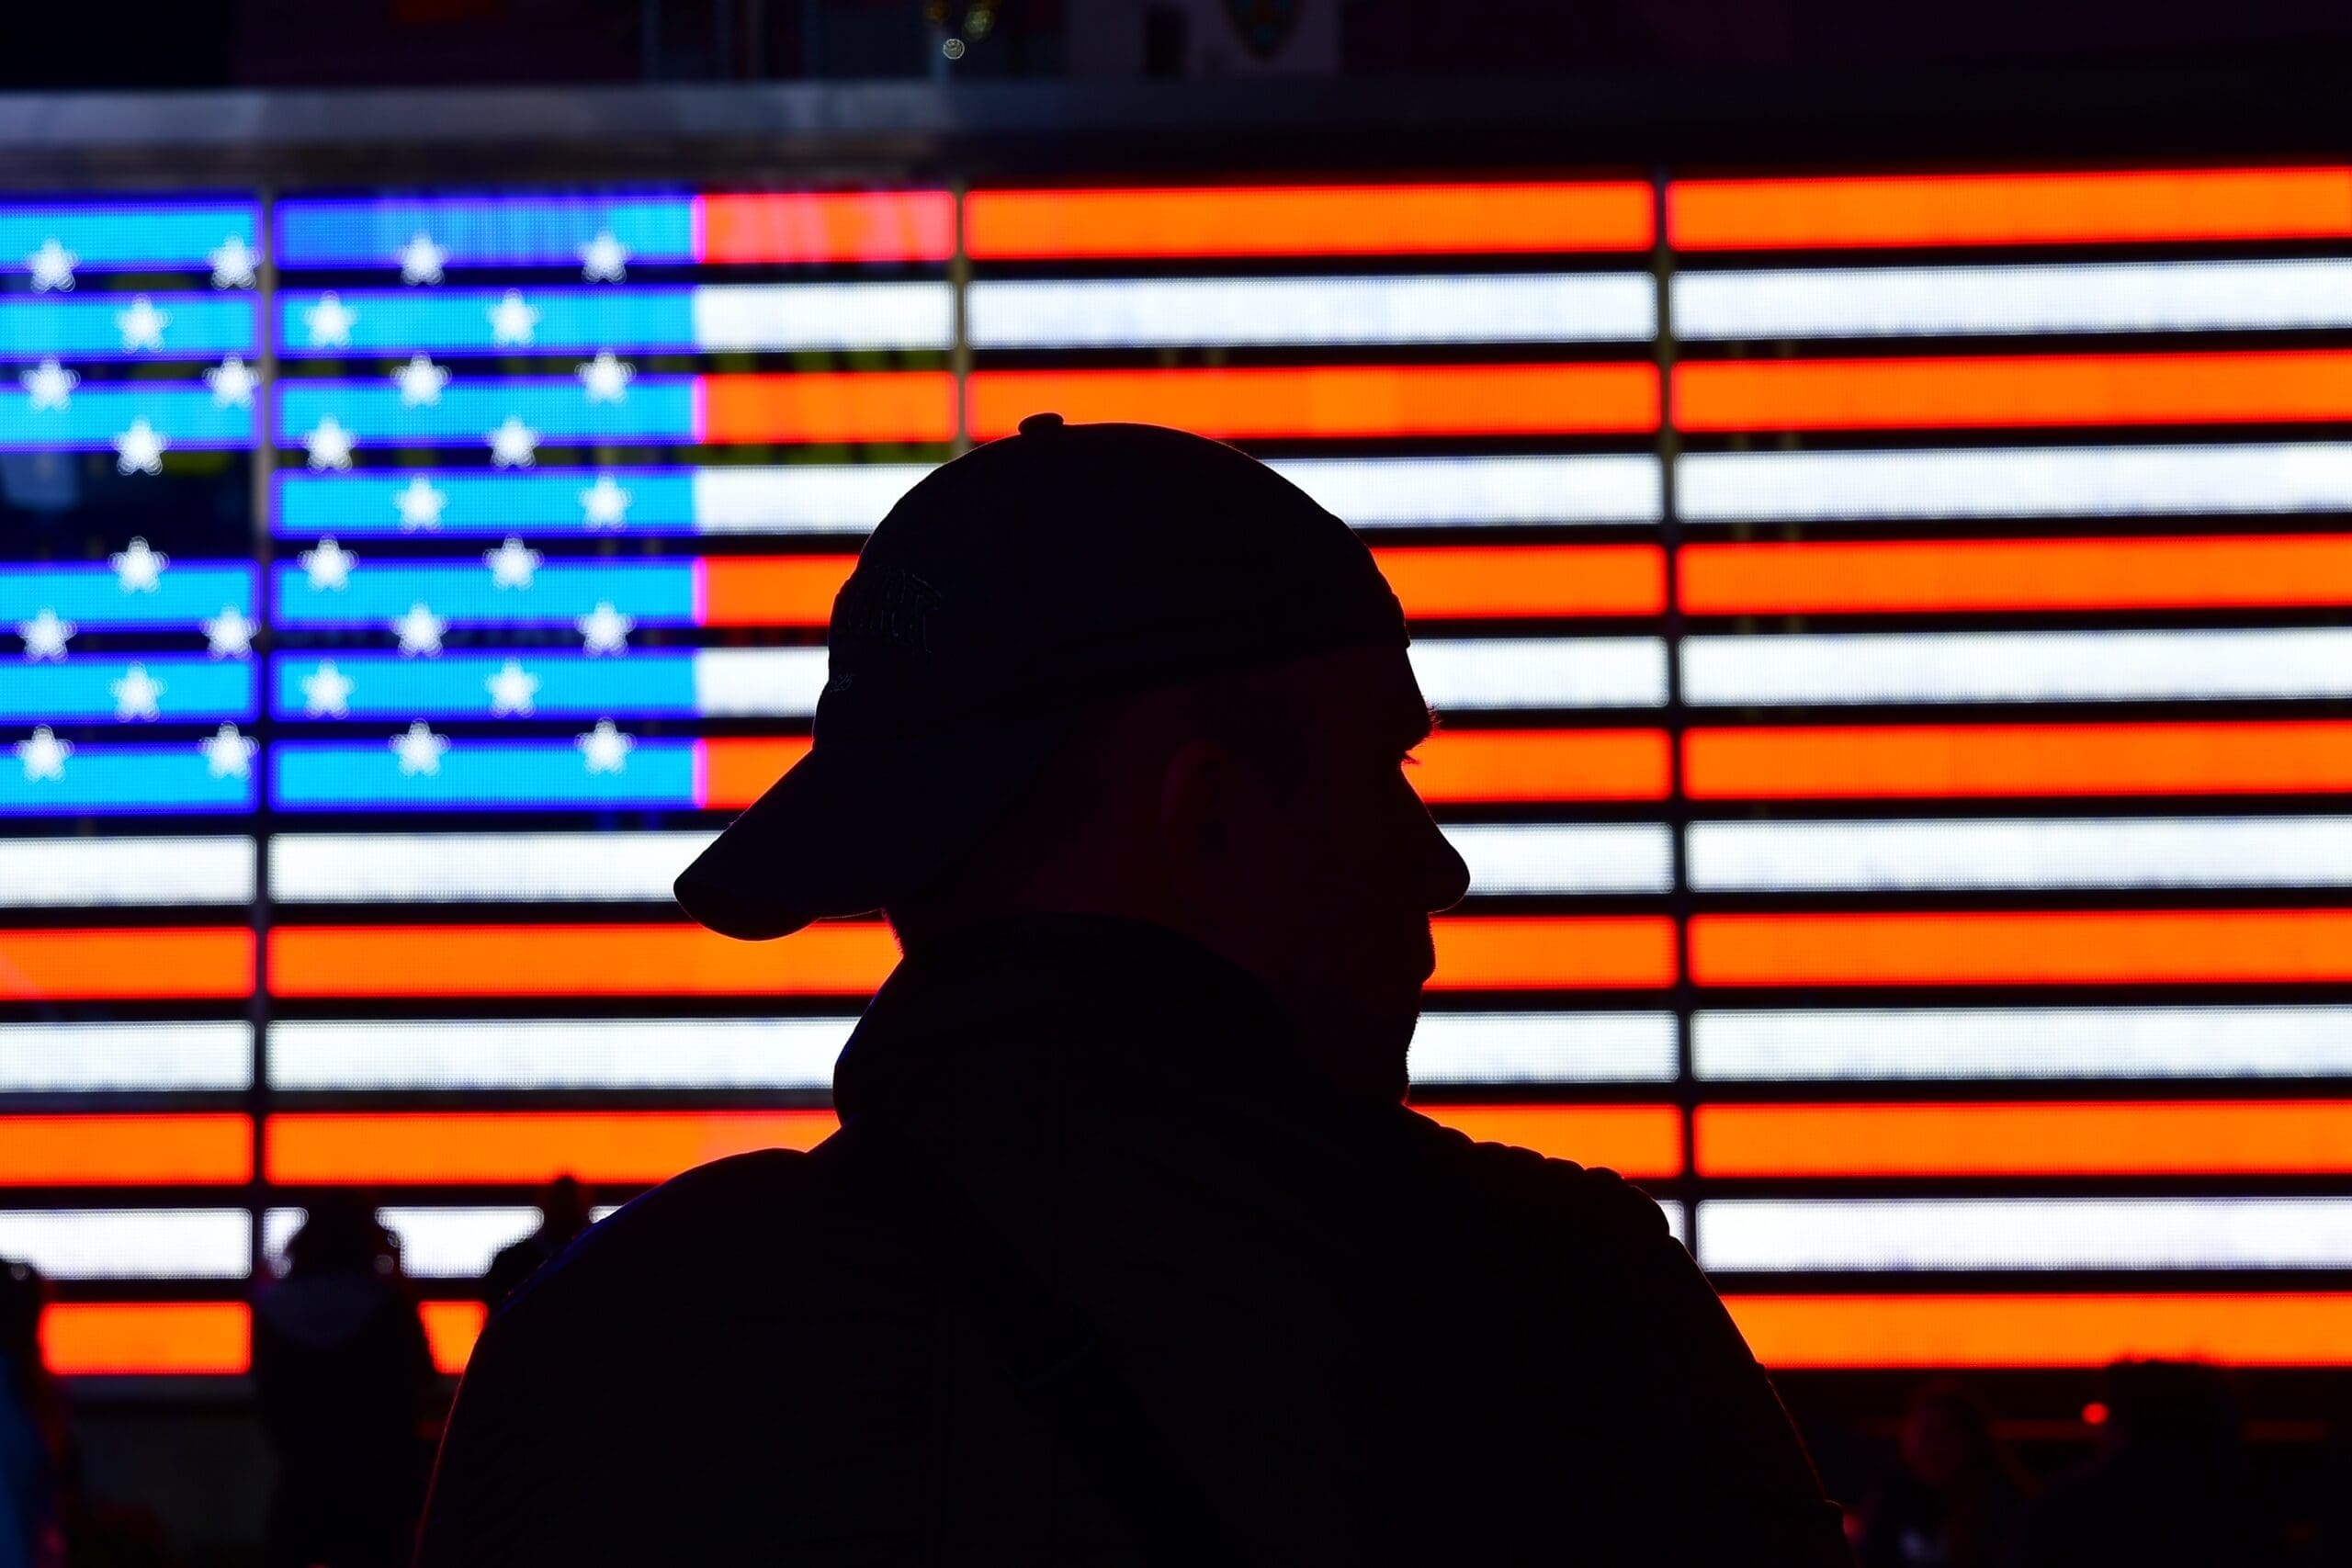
{"points": [[512, 564], [45, 635], [328, 566], [607, 378], [420, 259], [135, 694], [512, 321], [420, 381], [330, 322], [512, 689], [140, 449], [514, 445], [420, 631], [606, 629], [329, 445], [44, 755], [227, 754], [233, 264], [143, 326], [420, 750], [603, 259], [420, 504], [326, 690], [607, 748], [232, 382], [138, 568], [228, 634], [49, 385], [53, 267], [604, 503]]}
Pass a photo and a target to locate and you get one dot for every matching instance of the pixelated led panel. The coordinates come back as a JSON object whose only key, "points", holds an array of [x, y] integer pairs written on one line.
{"points": [[2011, 584], [1908, 834]]}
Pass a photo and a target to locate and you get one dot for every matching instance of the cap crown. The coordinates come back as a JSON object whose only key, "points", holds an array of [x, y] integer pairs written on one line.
{"points": [[1070, 562]]}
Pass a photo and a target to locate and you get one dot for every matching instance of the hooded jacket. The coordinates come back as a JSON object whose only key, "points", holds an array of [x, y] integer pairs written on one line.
{"points": [[1358, 1336]]}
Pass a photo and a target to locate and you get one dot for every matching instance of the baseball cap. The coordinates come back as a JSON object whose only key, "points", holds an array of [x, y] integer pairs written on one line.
{"points": [[1004, 592]]}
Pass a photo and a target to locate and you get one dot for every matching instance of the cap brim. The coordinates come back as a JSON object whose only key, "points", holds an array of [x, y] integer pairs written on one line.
{"points": [[856, 824]]}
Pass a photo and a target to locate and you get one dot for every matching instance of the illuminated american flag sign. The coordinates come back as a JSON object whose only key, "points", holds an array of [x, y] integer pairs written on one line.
{"points": [[1890, 634]]}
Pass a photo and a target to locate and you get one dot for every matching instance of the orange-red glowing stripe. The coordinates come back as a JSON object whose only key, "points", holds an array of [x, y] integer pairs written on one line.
{"points": [[844, 958], [1793, 1332], [163, 1148], [2117, 206], [825, 226], [1551, 952], [2023, 575], [2119, 1138], [2014, 390], [450, 1329], [123, 963], [737, 772], [2036, 947], [1848, 762], [511, 1146], [772, 591], [1505, 581], [1462, 765], [1280, 220], [1638, 1141], [818, 405], [1436, 583], [1331, 401], [152, 1339]]}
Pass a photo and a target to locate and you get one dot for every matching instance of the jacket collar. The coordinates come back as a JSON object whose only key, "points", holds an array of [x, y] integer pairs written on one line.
{"points": [[1068, 1006]]}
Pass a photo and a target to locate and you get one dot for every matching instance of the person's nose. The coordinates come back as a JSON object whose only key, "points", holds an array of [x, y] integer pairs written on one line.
{"points": [[1447, 875]]}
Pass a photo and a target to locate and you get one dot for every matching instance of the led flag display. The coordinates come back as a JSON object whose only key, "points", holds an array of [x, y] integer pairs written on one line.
{"points": [[1908, 833]]}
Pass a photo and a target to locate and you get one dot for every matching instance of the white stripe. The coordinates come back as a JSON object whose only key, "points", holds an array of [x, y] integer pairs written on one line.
{"points": [[2239, 296], [1469, 674], [557, 1054], [2090, 481], [1892, 1235], [456, 1243], [130, 1244], [804, 499], [1677, 1225], [1431, 492], [2187, 851], [740, 316], [91, 1058], [55, 873], [2017, 667], [2023, 1042], [1543, 1047], [764, 682], [1172, 311], [1588, 857], [439, 868]]}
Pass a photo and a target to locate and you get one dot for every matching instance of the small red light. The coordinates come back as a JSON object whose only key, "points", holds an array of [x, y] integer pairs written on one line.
{"points": [[2094, 1414]]}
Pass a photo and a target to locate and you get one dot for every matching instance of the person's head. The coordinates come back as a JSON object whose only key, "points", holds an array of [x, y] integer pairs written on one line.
{"points": [[341, 1234], [566, 1206], [1948, 1440], [24, 1296], [1118, 670], [1268, 815]]}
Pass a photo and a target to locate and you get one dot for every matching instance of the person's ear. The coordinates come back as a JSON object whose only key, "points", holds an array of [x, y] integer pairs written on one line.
{"points": [[1199, 836]]}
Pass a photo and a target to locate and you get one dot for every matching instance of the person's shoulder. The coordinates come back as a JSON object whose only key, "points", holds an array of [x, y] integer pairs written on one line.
{"points": [[1519, 1186]]}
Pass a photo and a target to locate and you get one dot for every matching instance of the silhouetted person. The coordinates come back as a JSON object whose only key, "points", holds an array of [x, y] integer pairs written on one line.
{"points": [[344, 1375], [2170, 1487], [1955, 1496], [565, 1209], [1127, 1250], [33, 1443]]}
